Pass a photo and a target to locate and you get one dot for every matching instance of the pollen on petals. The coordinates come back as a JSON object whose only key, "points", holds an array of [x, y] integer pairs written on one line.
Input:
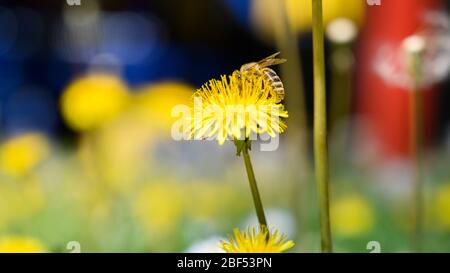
{"points": [[234, 107]]}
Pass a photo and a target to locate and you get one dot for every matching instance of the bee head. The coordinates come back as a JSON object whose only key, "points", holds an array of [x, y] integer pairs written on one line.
{"points": [[236, 74]]}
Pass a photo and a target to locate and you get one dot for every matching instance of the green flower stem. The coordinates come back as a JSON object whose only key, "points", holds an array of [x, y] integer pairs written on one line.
{"points": [[320, 125], [416, 141], [254, 188]]}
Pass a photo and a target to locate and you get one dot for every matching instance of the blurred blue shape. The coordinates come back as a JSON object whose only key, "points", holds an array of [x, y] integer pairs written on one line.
{"points": [[59, 73], [30, 108], [193, 64], [240, 10], [167, 62], [129, 36], [8, 30], [11, 75]]}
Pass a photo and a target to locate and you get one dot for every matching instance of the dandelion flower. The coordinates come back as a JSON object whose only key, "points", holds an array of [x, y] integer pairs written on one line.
{"points": [[251, 241], [17, 244], [89, 102], [235, 106], [248, 101], [352, 216], [277, 217], [157, 100], [22, 153]]}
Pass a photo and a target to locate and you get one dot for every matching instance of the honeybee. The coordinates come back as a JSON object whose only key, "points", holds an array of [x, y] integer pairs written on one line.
{"points": [[262, 69]]}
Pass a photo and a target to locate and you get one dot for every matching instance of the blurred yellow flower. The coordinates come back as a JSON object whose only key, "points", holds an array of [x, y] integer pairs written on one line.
{"points": [[159, 206], [18, 201], [92, 100], [19, 244], [298, 13], [20, 154], [123, 147], [352, 216], [156, 101], [442, 206], [122, 151], [226, 107], [252, 241]]}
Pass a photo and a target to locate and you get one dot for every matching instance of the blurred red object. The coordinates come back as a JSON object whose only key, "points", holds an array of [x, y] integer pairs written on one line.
{"points": [[384, 106]]}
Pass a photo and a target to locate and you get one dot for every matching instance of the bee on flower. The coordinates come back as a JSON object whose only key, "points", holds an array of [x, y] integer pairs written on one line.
{"points": [[248, 101], [245, 103]]}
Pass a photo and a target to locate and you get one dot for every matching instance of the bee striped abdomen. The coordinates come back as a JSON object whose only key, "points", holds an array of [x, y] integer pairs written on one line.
{"points": [[275, 81]]}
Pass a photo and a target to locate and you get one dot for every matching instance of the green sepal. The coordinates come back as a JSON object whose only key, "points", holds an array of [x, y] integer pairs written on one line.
{"points": [[242, 144]]}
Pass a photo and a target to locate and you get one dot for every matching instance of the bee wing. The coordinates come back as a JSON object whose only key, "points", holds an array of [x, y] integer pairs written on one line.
{"points": [[271, 60], [271, 56]]}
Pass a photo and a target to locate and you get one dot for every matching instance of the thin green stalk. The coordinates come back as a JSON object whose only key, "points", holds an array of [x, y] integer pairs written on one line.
{"points": [[254, 188], [416, 141], [320, 125]]}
